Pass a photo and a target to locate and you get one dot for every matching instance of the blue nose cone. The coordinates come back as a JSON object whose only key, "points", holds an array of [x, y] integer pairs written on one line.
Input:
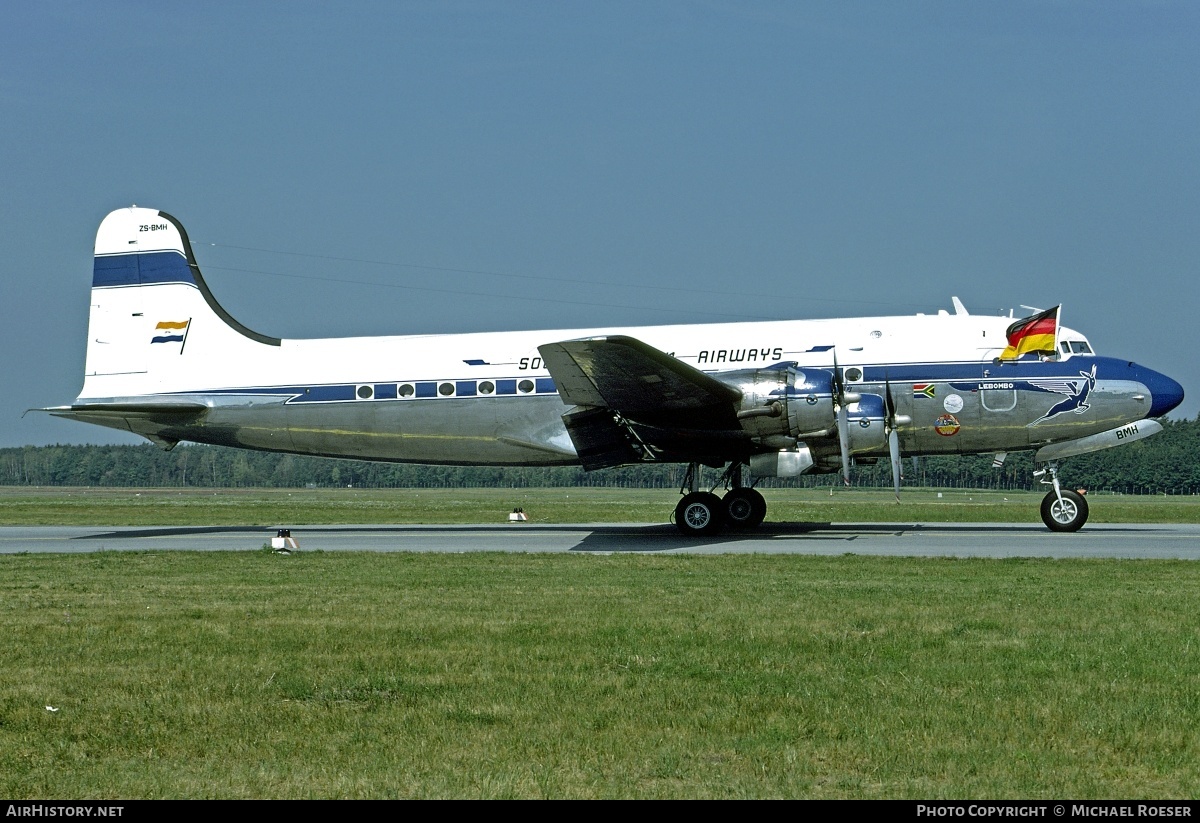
{"points": [[1165, 393]]}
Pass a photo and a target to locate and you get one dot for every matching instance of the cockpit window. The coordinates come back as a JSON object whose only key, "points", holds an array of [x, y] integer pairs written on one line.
{"points": [[1075, 347]]}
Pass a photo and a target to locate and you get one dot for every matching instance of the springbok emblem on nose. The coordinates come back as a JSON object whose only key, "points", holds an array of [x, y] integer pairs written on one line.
{"points": [[1076, 391]]}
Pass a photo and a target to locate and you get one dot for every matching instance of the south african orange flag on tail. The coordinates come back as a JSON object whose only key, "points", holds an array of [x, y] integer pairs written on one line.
{"points": [[1037, 333]]}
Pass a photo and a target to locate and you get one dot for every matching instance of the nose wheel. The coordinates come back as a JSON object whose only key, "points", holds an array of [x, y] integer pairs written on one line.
{"points": [[1063, 510], [1065, 513]]}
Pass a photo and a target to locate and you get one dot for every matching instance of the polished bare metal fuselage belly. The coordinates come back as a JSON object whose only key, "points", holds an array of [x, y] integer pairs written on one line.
{"points": [[972, 411]]}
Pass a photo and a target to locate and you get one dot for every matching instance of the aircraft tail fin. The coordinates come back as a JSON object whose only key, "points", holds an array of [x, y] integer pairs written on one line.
{"points": [[153, 319]]}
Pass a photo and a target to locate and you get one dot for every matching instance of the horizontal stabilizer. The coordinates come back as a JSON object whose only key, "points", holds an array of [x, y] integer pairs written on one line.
{"points": [[93, 412], [190, 407], [157, 421]]}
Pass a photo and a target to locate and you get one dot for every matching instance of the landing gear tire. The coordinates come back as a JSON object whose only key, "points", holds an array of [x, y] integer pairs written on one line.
{"points": [[1065, 515], [700, 514], [744, 508]]}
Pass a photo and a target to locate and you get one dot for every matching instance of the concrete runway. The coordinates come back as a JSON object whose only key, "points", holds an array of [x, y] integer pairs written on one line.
{"points": [[892, 539]]}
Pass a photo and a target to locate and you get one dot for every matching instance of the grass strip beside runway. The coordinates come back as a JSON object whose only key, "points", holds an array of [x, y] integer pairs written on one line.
{"points": [[252, 674], [20, 506]]}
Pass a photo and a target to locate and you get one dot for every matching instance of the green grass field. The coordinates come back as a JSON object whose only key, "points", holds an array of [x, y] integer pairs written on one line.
{"points": [[478, 675], [251, 674], [197, 507]]}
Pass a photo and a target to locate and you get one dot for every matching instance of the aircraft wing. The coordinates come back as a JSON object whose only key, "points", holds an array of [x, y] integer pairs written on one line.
{"points": [[622, 387], [639, 381]]}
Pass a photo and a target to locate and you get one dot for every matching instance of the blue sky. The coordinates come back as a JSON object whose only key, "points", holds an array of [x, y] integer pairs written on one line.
{"points": [[423, 167]]}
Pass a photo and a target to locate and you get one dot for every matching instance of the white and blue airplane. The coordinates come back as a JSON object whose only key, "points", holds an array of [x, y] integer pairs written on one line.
{"points": [[759, 399]]}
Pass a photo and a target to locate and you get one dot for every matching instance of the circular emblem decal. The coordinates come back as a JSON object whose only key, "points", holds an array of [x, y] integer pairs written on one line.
{"points": [[953, 403], [946, 425]]}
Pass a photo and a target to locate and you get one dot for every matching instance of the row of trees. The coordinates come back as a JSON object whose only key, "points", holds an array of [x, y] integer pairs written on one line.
{"points": [[1167, 463]]}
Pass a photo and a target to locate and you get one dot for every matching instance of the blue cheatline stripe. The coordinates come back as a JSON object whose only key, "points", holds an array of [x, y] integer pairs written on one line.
{"points": [[968, 375], [326, 393], [141, 269], [962, 371], [420, 389]]}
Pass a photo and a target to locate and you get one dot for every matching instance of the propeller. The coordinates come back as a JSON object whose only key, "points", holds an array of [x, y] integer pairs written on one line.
{"points": [[843, 399], [894, 421]]}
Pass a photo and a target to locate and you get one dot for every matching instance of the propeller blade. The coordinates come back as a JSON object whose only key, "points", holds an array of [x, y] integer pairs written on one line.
{"points": [[893, 437], [894, 453], [843, 424]]}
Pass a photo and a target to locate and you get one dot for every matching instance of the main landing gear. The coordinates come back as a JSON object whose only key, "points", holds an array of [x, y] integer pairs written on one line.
{"points": [[1062, 509], [703, 513]]}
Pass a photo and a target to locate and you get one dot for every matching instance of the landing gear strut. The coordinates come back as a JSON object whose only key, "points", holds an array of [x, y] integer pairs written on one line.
{"points": [[1062, 509], [702, 513], [745, 508]]}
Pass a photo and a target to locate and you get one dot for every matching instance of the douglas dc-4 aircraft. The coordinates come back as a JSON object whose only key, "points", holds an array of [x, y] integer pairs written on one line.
{"points": [[760, 399]]}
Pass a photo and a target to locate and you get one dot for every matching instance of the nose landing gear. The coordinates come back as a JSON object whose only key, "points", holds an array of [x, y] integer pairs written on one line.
{"points": [[1063, 510]]}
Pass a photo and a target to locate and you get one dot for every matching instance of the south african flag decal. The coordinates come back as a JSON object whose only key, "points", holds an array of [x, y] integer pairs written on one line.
{"points": [[923, 390], [170, 331]]}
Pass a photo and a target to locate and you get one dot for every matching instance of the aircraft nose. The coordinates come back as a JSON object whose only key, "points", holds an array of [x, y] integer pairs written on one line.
{"points": [[1165, 393]]}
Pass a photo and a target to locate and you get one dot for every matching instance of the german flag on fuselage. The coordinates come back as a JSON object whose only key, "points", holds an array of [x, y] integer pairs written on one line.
{"points": [[1032, 334]]}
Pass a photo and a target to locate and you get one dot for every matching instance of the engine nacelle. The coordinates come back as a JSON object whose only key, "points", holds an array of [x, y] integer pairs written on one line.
{"points": [[789, 463], [867, 419], [783, 404]]}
